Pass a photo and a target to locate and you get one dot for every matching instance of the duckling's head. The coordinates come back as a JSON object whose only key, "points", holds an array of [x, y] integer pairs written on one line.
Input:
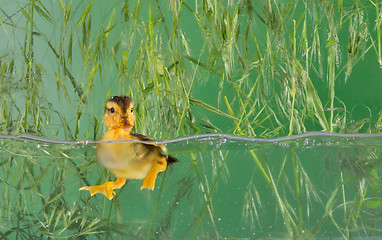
{"points": [[119, 113]]}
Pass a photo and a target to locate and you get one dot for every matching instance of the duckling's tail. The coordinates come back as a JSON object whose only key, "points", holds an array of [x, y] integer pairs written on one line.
{"points": [[171, 160]]}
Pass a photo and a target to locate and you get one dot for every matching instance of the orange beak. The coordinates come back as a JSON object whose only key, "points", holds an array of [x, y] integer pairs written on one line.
{"points": [[126, 124]]}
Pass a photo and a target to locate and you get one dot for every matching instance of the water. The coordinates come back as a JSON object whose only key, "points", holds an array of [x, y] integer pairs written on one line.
{"points": [[312, 185], [246, 67]]}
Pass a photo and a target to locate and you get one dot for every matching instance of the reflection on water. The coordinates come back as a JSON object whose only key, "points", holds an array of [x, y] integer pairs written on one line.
{"points": [[313, 185]]}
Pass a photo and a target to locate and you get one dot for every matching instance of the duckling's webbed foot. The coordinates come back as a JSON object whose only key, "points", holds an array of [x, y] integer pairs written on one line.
{"points": [[106, 189], [149, 181]]}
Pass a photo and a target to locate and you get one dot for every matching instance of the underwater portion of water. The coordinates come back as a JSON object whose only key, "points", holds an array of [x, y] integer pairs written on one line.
{"points": [[313, 185]]}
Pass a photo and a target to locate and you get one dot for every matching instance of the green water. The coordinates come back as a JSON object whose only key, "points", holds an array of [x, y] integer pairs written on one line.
{"points": [[259, 73], [310, 186]]}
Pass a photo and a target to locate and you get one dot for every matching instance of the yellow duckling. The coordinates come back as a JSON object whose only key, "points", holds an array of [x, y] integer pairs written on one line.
{"points": [[127, 160]]}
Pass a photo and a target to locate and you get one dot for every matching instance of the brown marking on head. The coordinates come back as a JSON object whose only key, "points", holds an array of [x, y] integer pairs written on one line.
{"points": [[119, 113]]}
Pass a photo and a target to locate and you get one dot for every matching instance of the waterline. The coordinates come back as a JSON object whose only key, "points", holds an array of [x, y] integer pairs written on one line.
{"points": [[209, 136]]}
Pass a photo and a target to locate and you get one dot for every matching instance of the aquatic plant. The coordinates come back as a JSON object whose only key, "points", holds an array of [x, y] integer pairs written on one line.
{"points": [[257, 69]]}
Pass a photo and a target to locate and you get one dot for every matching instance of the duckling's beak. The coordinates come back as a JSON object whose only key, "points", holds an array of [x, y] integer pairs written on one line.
{"points": [[125, 123]]}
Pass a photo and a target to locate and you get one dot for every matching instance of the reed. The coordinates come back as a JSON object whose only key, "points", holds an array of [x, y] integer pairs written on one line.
{"points": [[253, 68]]}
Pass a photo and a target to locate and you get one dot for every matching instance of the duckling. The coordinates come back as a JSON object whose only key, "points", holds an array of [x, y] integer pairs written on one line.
{"points": [[127, 160]]}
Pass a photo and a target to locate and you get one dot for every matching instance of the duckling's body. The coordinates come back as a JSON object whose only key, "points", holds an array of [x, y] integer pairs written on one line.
{"points": [[127, 160]]}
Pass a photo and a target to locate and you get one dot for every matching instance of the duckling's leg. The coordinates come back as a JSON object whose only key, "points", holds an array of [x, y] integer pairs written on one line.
{"points": [[107, 188], [149, 181]]}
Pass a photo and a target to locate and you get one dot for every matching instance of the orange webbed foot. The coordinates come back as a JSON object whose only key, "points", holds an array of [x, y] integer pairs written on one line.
{"points": [[106, 189], [149, 181]]}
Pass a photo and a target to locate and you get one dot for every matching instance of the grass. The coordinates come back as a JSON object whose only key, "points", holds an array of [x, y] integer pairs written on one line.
{"points": [[266, 69]]}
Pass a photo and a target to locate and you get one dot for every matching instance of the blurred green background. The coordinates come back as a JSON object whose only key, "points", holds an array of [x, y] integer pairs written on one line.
{"points": [[252, 68], [248, 68]]}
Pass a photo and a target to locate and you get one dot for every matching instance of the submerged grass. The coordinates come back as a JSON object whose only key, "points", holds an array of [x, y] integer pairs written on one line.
{"points": [[265, 68]]}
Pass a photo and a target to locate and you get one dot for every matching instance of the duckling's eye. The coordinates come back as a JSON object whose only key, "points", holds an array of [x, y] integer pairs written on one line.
{"points": [[131, 110], [112, 110]]}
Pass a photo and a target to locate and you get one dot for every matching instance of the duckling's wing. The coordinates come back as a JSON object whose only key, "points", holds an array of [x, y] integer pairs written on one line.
{"points": [[141, 137], [142, 149]]}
